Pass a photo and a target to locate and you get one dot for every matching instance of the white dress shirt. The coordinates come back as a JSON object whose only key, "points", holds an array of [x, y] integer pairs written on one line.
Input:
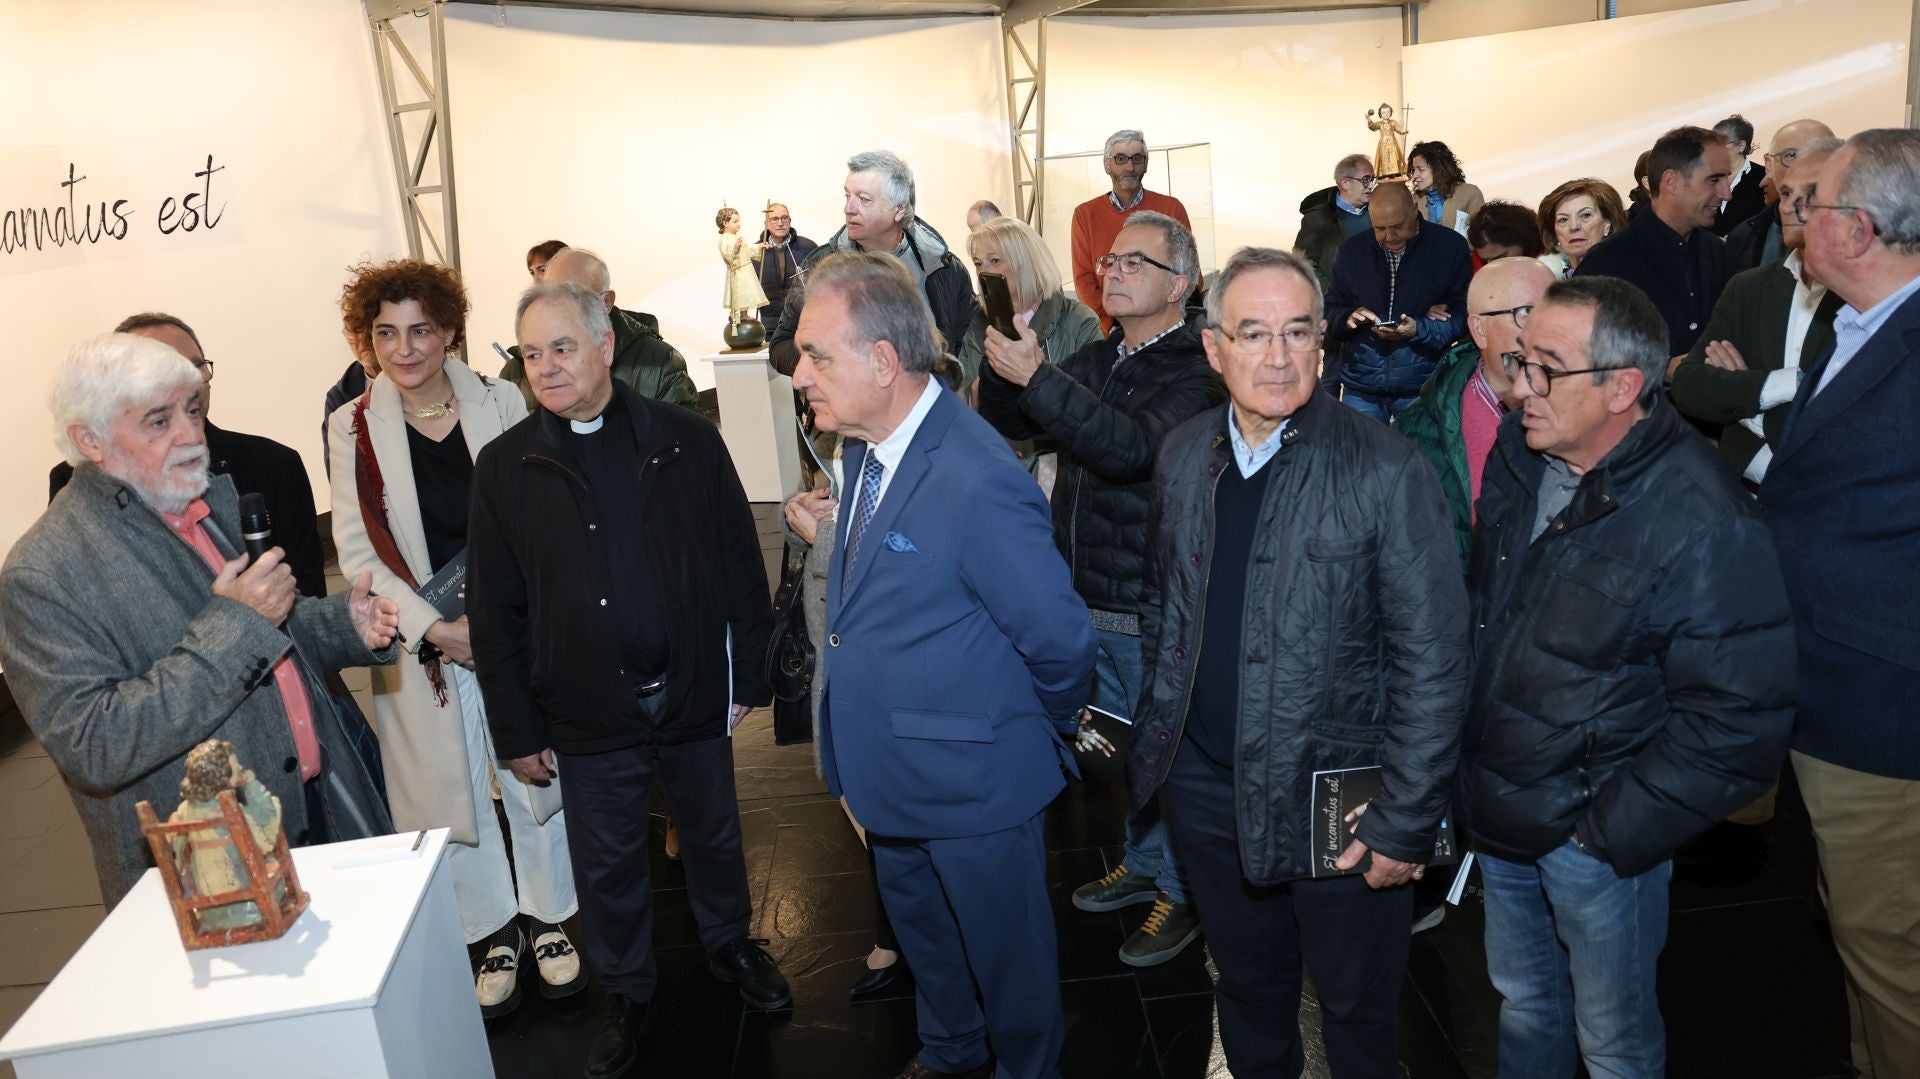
{"points": [[1781, 385], [892, 449]]}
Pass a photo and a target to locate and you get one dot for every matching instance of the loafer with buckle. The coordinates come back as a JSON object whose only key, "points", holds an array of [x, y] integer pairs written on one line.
{"points": [[617, 1047], [1120, 888], [497, 985], [559, 965], [753, 972]]}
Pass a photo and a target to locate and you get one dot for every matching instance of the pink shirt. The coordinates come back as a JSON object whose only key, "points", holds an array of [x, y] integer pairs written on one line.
{"points": [[1480, 412], [293, 689]]}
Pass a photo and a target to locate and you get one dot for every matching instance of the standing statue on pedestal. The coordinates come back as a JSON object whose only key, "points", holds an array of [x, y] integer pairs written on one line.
{"points": [[207, 856], [1390, 160], [743, 296]]}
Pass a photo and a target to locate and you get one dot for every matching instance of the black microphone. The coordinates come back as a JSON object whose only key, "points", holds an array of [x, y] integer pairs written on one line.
{"points": [[256, 526]]}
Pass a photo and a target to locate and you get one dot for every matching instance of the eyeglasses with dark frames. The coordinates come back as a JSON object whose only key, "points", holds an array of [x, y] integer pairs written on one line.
{"points": [[1128, 159], [1129, 263], [1519, 314], [1540, 377]]}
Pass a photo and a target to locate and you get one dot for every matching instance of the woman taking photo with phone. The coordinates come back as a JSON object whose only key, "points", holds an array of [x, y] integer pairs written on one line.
{"points": [[1011, 249]]}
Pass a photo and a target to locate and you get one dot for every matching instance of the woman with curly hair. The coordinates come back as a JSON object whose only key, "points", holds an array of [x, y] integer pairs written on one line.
{"points": [[402, 461], [1576, 216], [1440, 186]]}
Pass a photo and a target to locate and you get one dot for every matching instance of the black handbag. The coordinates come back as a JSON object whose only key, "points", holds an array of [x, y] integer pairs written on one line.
{"points": [[790, 657]]}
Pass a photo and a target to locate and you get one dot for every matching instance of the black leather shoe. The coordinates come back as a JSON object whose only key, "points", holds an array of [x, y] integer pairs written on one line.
{"points": [[617, 1047], [753, 972], [920, 1069], [874, 981]]}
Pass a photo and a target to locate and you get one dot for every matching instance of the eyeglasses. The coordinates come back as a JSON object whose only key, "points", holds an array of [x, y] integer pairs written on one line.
{"points": [[205, 367], [779, 220], [1519, 318], [1129, 263], [1363, 181], [1801, 206], [1293, 339], [1128, 159], [1540, 377], [1784, 157]]}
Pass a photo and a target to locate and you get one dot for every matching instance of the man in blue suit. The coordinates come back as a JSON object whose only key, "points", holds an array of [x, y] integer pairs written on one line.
{"points": [[1843, 498], [957, 658]]}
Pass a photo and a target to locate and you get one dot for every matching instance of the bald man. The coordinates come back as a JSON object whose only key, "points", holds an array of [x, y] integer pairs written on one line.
{"points": [[1459, 409], [1398, 301], [641, 358], [1757, 240]]}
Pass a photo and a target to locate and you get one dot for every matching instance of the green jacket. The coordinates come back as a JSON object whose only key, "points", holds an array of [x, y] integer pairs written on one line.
{"points": [[1432, 423], [641, 359]]}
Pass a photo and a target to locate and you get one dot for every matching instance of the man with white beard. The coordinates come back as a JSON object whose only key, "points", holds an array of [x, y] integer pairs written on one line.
{"points": [[133, 627]]}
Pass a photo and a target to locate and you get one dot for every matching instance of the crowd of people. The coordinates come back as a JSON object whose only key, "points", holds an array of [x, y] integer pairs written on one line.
{"points": [[1577, 524]]}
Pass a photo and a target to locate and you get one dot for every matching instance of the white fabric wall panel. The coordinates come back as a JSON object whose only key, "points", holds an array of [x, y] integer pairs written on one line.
{"points": [[1279, 97], [622, 133], [135, 96], [1527, 110]]}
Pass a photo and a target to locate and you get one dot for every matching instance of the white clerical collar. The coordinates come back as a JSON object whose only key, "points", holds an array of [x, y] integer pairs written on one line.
{"points": [[587, 427]]}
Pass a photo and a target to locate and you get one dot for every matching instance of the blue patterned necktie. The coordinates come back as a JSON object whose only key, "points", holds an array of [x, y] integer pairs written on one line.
{"points": [[870, 473]]}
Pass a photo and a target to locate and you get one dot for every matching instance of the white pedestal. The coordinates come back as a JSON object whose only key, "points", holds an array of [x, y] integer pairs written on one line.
{"points": [[756, 420], [371, 981]]}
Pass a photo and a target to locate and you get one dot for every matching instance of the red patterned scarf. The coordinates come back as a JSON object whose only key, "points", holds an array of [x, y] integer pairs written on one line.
{"points": [[373, 515]]}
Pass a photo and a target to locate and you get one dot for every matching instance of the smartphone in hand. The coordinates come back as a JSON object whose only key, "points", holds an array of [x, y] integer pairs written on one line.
{"points": [[998, 299]]}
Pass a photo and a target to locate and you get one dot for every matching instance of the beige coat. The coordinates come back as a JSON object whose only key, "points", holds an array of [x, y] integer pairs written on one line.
{"points": [[429, 784]]}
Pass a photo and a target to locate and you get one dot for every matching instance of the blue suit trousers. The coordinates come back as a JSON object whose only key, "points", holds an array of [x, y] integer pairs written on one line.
{"points": [[974, 922]]}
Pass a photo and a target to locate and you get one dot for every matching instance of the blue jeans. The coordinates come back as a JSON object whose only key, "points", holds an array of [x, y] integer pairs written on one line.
{"points": [[1383, 409], [1116, 689], [1572, 948]]}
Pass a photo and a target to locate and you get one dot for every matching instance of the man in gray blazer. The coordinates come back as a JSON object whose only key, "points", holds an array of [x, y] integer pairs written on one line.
{"points": [[134, 628]]}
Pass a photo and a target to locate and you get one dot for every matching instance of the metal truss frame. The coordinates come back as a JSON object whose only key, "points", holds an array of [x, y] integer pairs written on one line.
{"points": [[432, 226]]}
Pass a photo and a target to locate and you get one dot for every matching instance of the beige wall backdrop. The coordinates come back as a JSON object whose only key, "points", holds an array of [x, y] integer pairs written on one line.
{"points": [[1279, 97], [136, 95], [1527, 110], [622, 133]]}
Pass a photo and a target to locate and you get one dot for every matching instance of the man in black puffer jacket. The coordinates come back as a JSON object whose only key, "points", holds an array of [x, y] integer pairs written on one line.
{"points": [[1109, 406], [1633, 678], [1304, 612]]}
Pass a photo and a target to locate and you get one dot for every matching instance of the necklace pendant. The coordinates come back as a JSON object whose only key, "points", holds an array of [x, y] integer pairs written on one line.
{"points": [[431, 412]]}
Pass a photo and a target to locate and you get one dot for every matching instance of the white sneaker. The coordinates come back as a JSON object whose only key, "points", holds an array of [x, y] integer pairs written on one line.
{"points": [[498, 983], [560, 973]]}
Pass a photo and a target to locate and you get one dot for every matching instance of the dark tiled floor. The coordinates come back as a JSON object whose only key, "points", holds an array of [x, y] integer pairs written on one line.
{"points": [[1749, 983]]}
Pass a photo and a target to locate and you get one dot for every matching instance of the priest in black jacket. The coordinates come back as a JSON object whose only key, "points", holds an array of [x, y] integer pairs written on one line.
{"points": [[619, 609], [258, 465]]}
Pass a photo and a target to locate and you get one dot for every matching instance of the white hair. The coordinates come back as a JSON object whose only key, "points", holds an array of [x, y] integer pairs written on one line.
{"points": [[592, 267], [1123, 135], [897, 178], [105, 375], [587, 304]]}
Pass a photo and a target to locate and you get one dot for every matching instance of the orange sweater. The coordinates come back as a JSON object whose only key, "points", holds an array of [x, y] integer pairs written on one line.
{"points": [[1095, 224]]}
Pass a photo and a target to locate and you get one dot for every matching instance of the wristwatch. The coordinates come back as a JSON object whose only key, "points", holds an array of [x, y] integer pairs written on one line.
{"points": [[1581, 844]]}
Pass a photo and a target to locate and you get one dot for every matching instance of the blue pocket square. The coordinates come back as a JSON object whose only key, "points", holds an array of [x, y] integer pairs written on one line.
{"points": [[900, 544]]}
